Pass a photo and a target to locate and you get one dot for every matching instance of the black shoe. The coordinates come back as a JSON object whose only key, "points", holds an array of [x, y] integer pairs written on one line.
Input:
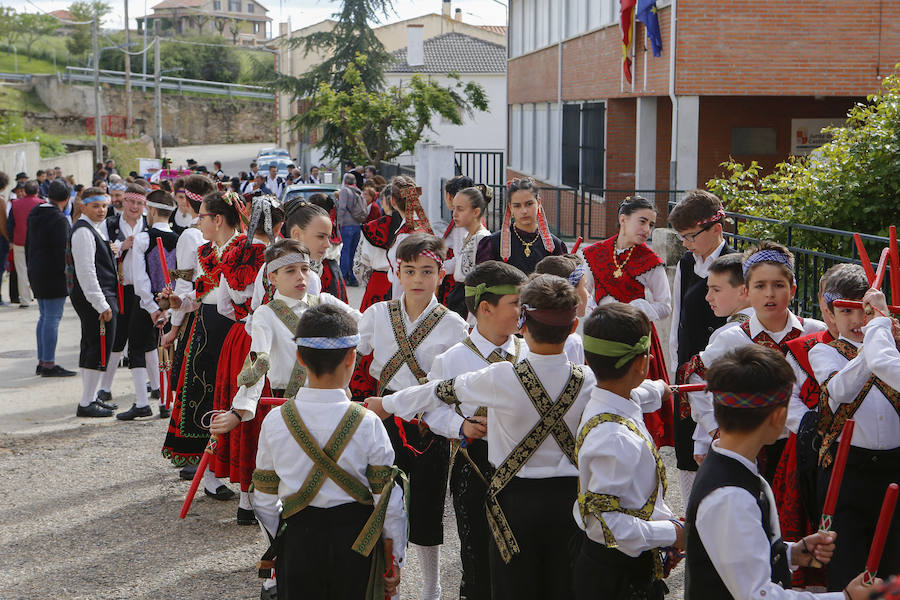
{"points": [[134, 412], [269, 594], [154, 394], [93, 410], [38, 369], [104, 399], [164, 413], [223, 492], [246, 516], [188, 472], [56, 371]]}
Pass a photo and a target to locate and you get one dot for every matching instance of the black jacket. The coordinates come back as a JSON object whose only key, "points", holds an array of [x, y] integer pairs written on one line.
{"points": [[45, 251]]}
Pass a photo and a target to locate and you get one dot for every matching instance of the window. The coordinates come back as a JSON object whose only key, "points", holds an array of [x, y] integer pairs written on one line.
{"points": [[250, 8], [571, 140], [553, 143], [528, 145], [541, 167], [217, 4], [583, 141], [256, 28], [515, 29], [234, 5], [528, 25], [515, 137]]}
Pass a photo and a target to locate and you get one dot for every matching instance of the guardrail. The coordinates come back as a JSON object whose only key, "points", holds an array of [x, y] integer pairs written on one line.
{"points": [[26, 77], [148, 82]]}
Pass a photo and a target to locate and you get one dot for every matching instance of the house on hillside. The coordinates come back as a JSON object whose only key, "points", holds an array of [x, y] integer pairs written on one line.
{"points": [[243, 21], [63, 29], [394, 37]]}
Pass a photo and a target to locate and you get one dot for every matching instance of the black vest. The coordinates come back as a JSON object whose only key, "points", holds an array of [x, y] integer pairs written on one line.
{"points": [[701, 578], [104, 263], [114, 229], [696, 320]]}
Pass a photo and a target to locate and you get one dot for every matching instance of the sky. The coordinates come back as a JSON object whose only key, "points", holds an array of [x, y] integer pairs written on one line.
{"points": [[299, 12]]}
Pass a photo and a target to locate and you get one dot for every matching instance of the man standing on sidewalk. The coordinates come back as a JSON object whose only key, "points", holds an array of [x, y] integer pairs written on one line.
{"points": [[351, 214], [21, 208]]}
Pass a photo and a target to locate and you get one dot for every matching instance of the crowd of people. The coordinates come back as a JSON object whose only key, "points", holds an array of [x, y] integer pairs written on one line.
{"points": [[342, 427]]}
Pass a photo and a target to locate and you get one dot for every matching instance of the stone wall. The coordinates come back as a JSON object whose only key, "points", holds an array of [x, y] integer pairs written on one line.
{"points": [[186, 119]]}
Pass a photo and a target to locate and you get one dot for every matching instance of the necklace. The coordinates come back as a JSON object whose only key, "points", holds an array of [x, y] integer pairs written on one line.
{"points": [[618, 272], [527, 251]]}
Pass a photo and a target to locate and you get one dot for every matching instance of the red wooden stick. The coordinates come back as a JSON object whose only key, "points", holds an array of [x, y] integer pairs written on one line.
{"points": [[882, 269], [864, 258], [102, 342], [577, 244], [858, 304], [162, 261], [271, 401], [837, 474], [120, 289], [881, 531], [895, 264], [162, 383], [198, 476], [170, 394], [688, 387]]}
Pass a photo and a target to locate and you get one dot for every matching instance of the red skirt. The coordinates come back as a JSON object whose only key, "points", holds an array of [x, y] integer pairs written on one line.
{"points": [[792, 517], [659, 423], [377, 290], [235, 456]]}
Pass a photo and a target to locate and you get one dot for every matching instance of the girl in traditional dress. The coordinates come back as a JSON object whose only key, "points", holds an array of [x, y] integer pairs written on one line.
{"points": [[469, 205], [370, 264], [625, 269], [525, 237], [327, 266], [450, 190], [188, 435]]}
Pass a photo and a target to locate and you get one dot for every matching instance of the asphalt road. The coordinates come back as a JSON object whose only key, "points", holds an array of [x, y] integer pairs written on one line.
{"points": [[234, 157]]}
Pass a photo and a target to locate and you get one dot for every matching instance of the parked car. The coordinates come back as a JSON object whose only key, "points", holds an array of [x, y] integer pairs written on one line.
{"points": [[266, 153], [305, 190]]}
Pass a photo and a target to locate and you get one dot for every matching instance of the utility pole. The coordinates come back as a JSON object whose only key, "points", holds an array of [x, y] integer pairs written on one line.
{"points": [[158, 100], [129, 107], [145, 22], [95, 33]]}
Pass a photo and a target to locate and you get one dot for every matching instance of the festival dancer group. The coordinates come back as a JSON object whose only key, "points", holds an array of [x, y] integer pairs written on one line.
{"points": [[464, 367]]}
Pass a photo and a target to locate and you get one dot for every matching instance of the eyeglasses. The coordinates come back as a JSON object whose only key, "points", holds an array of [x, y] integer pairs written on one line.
{"points": [[691, 237]]}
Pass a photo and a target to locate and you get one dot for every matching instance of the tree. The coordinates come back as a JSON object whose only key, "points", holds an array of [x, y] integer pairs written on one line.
{"points": [[34, 26], [234, 28], [850, 183], [79, 41], [376, 126], [9, 25], [220, 23]]}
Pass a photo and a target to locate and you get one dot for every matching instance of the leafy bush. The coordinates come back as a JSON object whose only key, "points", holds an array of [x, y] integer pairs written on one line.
{"points": [[210, 63], [12, 131]]}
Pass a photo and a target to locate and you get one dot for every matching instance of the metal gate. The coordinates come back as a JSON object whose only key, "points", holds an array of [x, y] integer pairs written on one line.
{"points": [[488, 168]]}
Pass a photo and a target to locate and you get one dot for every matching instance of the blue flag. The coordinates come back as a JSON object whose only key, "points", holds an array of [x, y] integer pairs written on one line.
{"points": [[646, 14]]}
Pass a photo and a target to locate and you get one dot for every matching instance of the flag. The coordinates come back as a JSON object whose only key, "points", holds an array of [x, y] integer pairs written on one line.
{"points": [[646, 14], [626, 14]]}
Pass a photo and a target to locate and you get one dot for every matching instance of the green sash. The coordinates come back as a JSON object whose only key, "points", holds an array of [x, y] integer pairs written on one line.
{"points": [[408, 344], [290, 320]]}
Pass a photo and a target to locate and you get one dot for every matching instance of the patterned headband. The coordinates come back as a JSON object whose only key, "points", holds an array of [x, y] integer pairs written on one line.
{"points": [[575, 276], [720, 214], [426, 254], [556, 317], [830, 297], [328, 343], [90, 199], [288, 259], [768, 256], [135, 196], [160, 206], [776, 397], [192, 195]]}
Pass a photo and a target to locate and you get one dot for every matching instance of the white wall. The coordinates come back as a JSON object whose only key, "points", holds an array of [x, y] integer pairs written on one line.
{"points": [[484, 130], [534, 24], [26, 157], [535, 142]]}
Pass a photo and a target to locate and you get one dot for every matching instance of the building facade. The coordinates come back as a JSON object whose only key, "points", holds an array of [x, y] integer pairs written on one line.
{"points": [[748, 80], [243, 21]]}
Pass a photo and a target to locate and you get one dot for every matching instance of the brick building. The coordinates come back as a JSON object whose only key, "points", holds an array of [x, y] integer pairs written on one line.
{"points": [[750, 79]]}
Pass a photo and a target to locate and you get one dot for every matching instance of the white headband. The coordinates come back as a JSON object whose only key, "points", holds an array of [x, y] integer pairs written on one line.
{"points": [[287, 259], [160, 206]]}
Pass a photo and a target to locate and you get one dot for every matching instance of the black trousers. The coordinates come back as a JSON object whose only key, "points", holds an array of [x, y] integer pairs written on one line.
{"points": [[539, 512], [601, 572], [136, 328], [316, 560], [469, 491], [866, 478], [684, 442], [89, 356]]}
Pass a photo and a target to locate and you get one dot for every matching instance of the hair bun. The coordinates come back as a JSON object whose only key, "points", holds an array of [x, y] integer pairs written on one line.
{"points": [[487, 192]]}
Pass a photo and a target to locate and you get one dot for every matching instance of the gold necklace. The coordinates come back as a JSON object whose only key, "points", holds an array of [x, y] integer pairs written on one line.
{"points": [[527, 251], [618, 272]]}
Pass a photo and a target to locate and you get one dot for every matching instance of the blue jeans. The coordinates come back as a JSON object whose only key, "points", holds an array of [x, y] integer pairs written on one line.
{"points": [[51, 310], [350, 239]]}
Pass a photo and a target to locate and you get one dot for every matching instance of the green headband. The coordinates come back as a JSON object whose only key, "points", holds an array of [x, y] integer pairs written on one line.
{"points": [[483, 288], [616, 349]]}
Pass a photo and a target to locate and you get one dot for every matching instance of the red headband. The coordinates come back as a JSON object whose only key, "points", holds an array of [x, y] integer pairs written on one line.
{"points": [[720, 214], [426, 254], [557, 317], [135, 196], [193, 196]]}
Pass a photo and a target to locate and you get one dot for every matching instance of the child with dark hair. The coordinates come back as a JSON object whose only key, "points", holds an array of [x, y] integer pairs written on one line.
{"points": [[328, 267], [451, 188], [573, 269], [330, 542], [734, 543], [625, 269], [533, 409], [858, 374], [525, 238], [405, 335], [622, 480], [469, 205]]}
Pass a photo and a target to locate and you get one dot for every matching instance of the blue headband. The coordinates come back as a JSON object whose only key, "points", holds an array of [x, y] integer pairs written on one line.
{"points": [[576, 275], [93, 199], [768, 256], [328, 343], [830, 297]]}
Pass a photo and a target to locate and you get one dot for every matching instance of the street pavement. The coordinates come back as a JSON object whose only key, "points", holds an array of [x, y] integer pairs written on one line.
{"points": [[234, 157]]}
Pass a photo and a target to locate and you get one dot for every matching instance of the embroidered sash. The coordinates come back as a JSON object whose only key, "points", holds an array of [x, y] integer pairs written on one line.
{"points": [[596, 504], [550, 423], [408, 344], [764, 339], [832, 422]]}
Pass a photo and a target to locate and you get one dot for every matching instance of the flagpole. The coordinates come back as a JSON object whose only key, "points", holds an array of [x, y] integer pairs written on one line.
{"points": [[633, 44]]}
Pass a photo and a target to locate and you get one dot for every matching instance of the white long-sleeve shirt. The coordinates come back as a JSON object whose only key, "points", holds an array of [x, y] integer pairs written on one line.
{"points": [[377, 336], [270, 335], [615, 461], [393, 277], [84, 248], [322, 411], [877, 424], [510, 414], [186, 259], [656, 303], [127, 264], [728, 523], [464, 248], [139, 267]]}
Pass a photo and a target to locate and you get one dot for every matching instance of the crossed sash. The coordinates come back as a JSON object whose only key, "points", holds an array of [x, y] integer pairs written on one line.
{"points": [[407, 345]]}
